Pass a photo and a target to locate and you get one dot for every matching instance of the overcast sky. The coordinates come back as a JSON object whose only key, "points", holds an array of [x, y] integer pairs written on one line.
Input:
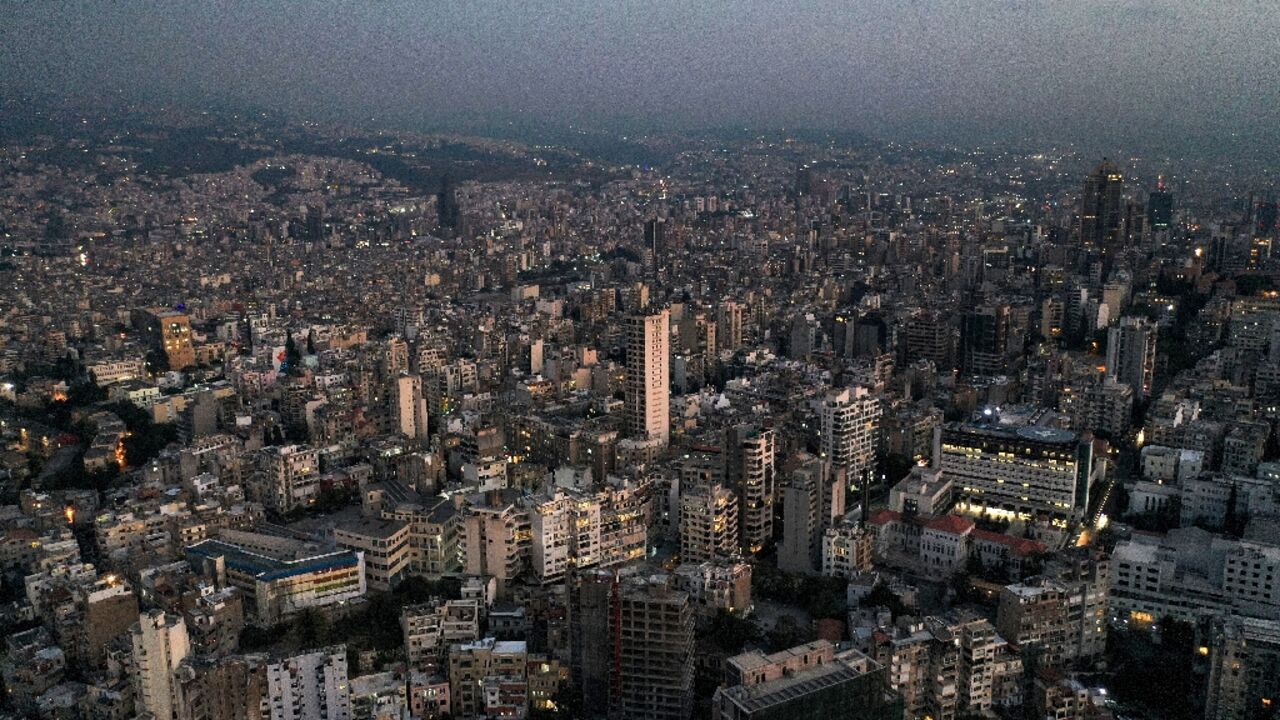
{"points": [[941, 69]]}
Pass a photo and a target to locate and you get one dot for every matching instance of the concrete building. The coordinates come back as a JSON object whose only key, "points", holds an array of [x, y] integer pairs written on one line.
{"points": [[495, 540], [708, 524], [1016, 470], [813, 499], [648, 391], [160, 644], [848, 432], [310, 685], [1131, 354], [846, 550], [632, 647], [489, 678], [292, 474], [279, 577], [807, 681], [749, 471], [1034, 615], [1244, 668], [924, 491], [409, 407], [384, 545], [717, 586]]}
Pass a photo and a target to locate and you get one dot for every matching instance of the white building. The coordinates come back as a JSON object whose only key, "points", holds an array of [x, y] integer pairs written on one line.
{"points": [[925, 491], [1019, 469], [849, 429], [409, 407], [307, 686], [648, 391], [160, 644]]}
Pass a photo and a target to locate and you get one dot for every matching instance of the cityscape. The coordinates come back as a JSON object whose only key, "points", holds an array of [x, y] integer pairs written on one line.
{"points": [[312, 415]]}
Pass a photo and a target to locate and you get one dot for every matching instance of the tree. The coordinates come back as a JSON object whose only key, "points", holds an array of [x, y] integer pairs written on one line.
{"points": [[730, 632], [157, 361], [882, 596], [292, 356], [310, 629]]}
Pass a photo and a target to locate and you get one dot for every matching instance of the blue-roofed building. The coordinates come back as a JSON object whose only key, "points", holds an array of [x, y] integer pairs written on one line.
{"points": [[280, 576]]}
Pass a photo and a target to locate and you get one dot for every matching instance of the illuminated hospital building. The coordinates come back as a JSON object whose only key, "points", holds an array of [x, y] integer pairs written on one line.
{"points": [[1017, 469]]}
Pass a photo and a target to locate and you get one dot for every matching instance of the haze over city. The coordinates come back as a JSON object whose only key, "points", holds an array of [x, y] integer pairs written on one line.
{"points": [[1168, 76], [865, 360]]}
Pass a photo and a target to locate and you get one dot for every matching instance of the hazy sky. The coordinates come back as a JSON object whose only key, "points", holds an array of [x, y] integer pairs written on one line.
{"points": [[943, 69]]}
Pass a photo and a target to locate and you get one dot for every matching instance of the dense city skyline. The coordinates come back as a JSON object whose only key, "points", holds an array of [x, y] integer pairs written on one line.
{"points": [[531, 362]]}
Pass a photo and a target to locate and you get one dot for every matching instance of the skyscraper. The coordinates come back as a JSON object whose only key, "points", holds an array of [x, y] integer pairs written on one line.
{"points": [[1101, 209], [749, 467], [984, 340], [160, 644], [314, 222], [648, 392], [409, 407], [1264, 218], [1131, 354], [655, 240], [1160, 207], [728, 326], [632, 647], [447, 211], [850, 421]]}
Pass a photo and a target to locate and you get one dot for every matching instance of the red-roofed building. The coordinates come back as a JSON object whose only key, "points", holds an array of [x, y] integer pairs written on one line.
{"points": [[995, 550], [944, 544]]}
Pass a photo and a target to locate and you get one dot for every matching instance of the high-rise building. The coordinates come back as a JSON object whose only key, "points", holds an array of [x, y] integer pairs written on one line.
{"points": [[655, 240], [708, 524], [850, 424], [1264, 218], [170, 331], [160, 644], [749, 472], [494, 541], [447, 211], [1034, 614], [1131, 354], [227, 688], [648, 392], [110, 609], [409, 407], [1102, 209], [310, 685], [632, 647], [984, 340], [812, 499], [1244, 668], [314, 222], [1160, 207], [929, 338], [728, 326]]}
